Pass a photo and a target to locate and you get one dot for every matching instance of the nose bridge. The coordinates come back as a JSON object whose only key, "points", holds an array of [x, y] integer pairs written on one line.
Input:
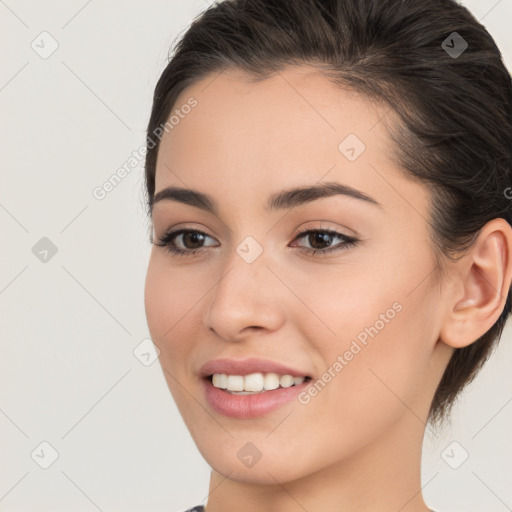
{"points": [[245, 271], [246, 294]]}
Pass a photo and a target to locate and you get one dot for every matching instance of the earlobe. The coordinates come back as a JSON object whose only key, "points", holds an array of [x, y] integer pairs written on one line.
{"points": [[484, 278]]}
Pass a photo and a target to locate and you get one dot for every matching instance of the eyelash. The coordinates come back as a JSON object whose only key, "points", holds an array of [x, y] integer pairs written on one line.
{"points": [[167, 242]]}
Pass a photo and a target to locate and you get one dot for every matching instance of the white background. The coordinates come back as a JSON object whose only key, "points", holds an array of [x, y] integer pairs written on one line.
{"points": [[68, 375]]}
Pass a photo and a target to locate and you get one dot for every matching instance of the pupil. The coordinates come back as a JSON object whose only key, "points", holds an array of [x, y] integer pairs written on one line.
{"points": [[322, 237], [192, 235]]}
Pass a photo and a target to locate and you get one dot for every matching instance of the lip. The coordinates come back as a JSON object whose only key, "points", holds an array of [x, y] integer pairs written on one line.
{"points": [[250, 406], [247, 366]]}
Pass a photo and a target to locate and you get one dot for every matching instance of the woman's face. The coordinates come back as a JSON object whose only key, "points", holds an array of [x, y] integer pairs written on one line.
{"points": [[362, 321]]}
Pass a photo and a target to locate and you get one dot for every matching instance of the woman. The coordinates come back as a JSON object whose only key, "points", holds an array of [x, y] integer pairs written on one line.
{"points": [[331, 260]]}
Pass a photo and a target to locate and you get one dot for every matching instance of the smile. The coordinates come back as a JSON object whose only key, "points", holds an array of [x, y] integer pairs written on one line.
{"points": [[251, 404], [254, 382]]}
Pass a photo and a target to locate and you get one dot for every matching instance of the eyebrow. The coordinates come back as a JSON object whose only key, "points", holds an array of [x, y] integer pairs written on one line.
{"points": [[285, 199]]}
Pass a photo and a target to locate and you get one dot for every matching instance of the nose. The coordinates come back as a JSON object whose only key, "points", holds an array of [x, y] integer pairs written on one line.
{"points": [[247, 298]]}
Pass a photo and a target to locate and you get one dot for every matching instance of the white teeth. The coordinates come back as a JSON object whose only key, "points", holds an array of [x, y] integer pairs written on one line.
{"points": [[254, 382], [271, 381], [286, 381], [235, 383], [220, 380]]}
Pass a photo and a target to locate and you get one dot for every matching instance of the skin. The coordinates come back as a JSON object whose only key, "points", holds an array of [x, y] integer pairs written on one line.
{"points": [[356, 446]]}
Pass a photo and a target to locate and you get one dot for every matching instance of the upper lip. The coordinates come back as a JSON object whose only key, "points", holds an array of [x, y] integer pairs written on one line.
{"points": [[247, 366]]}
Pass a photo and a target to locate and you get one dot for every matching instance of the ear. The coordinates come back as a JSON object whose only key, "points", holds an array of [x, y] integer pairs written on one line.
{"points": [[484, 275]]}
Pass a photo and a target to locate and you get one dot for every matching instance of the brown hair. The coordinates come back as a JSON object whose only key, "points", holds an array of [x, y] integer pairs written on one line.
{"points": [[453, 103]]}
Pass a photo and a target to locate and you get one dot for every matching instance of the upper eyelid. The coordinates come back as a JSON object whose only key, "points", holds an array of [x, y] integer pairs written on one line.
{"points": [[174, 233], [340, 230]]}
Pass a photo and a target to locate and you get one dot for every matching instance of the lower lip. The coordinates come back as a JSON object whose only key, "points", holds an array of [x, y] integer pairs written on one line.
{"points": [[250, 406]]}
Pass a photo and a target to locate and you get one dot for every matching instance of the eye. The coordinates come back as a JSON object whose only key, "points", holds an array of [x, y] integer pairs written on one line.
{"points": [[191, 236], [322, 237], [192, 240]]}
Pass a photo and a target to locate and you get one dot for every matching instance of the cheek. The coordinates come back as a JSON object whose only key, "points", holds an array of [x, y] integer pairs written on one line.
{"points": [[167, 300], [157, 301], [169, 303], [375, 338], [382, 372], [171, 297]]}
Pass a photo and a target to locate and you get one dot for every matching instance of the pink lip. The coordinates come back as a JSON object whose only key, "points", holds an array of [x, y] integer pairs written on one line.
{"points": [[247, 366], [249, 406]]}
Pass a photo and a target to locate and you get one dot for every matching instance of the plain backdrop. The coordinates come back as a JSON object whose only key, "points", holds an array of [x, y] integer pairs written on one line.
{"points": [[76, 394]]}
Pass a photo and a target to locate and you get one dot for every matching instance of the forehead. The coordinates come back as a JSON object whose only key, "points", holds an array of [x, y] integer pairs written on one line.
{"points": [[297, 108], [293, 128]]}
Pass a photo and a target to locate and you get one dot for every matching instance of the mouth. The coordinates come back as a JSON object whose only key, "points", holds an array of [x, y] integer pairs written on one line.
{"points": [[254, 383], [252, 387], [251, 396]]}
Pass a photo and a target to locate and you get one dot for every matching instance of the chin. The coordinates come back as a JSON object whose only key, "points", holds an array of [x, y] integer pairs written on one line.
{"points": [[262, 473], [241, 462]]}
